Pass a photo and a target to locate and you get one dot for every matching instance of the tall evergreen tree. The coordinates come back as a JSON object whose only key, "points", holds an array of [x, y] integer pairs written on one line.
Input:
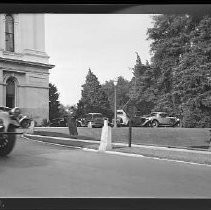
{"points": [[93, 97], [53, 102], [142, 91]]}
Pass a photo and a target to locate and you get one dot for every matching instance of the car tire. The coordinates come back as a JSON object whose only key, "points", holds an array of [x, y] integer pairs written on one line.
{"points": [[8, 143], [155, 124], [178, 125], [25, 123]]}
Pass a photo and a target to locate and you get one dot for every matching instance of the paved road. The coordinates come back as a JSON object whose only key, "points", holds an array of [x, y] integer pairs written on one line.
{"points": [[35, 169]]}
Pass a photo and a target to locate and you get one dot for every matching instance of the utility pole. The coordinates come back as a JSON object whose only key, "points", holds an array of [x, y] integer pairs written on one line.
{"points": [[115, 109]]}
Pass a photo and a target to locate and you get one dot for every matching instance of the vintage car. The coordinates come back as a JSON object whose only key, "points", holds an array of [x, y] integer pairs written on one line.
{"points": [[8, 123], [122, 118], [157, 119], [81, 122], [58, 122], [95, 120], [119, 122], [23, 120]]}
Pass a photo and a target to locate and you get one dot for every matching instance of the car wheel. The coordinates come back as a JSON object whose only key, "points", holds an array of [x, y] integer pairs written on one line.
{"points": [[25, 123], [7, 142], [178, 125], [149, 124], [155, 123]]}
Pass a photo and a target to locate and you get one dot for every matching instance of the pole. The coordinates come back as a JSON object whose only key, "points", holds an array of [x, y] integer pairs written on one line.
{"points": [[115, 117], [130, 133]]}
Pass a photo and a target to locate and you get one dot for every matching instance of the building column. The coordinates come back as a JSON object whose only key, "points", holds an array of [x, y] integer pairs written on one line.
{"points": [[1, 88], [2, 31], [17, 37]]}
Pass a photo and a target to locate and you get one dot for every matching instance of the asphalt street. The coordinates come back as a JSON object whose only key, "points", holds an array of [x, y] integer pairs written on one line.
{"points": [[37, 170]]}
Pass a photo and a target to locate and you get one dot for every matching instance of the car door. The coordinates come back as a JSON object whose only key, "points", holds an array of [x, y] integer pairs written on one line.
{"points": [[164, 118]]}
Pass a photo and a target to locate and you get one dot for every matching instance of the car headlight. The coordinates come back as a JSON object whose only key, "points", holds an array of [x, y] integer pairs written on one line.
{"points": [[16, 111], [1, 123]]}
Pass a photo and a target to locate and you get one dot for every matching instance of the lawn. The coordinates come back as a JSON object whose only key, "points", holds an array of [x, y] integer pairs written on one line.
{"points": [[192, 138]]}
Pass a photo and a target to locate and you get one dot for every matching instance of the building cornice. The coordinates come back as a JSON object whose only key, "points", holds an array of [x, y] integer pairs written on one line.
{"points": [[13, 71], [33, 86], [27, 63]]}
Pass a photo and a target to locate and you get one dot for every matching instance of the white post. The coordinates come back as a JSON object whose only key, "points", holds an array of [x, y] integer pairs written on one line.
{"points": [[105, 141], [89, 125]]}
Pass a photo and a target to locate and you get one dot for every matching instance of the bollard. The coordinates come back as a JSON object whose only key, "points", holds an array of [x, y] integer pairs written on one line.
{"points": [[89, 125], [105, 141]]}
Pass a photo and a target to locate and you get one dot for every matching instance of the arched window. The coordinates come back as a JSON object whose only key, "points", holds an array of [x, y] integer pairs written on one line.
{"points": [[10, 92], [9, 33]]}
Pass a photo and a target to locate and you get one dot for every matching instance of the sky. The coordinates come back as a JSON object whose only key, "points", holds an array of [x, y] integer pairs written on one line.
{"points": [[105, 43]]}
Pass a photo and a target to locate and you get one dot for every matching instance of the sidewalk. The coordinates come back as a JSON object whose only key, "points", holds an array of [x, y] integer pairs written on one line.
{"points": [[192, 156]]}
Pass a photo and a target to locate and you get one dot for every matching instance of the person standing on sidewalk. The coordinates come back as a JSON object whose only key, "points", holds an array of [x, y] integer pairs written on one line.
{"points": [[71, 122]]}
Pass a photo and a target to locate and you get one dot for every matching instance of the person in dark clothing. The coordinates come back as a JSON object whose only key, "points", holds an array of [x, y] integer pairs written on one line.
{"points": [[71, 122]]}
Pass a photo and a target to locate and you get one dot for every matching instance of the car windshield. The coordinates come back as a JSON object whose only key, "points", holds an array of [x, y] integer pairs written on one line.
{"points": [[119, 112], [163, 114], [97, 116], [153, 114]]}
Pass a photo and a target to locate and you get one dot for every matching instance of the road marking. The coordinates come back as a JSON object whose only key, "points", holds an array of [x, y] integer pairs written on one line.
{"points": [[121, 153]]}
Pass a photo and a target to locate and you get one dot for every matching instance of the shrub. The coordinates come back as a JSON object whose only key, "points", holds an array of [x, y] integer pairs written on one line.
{"points": [[45, 123]]}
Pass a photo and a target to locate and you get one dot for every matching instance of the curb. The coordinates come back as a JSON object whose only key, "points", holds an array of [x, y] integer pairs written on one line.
{"points": [[164, 153]]}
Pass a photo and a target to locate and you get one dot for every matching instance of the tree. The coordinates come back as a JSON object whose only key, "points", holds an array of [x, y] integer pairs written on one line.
{"points": [[181, 56], [122, 87], [93, 97], [143, 91], [191, 78], [53, 102], [63, 110], [80, 112], [168, 39]]}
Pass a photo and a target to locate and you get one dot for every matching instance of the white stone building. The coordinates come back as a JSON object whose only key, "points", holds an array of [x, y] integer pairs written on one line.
{"points": [[24, 64]]}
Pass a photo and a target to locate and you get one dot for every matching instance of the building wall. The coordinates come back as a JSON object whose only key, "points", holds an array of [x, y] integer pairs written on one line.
{"points": [[32, 72], [29, 31], [32, 91]]}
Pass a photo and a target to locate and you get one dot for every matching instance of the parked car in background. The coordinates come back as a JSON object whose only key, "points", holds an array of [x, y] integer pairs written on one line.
{"points": [[95, 120], [58, 122], [118, 122], [81, 122], [138, 120], [157, 119], [122, 118]]}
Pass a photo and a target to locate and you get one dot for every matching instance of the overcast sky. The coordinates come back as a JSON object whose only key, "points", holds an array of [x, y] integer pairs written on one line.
{"points": [[106, 43]]}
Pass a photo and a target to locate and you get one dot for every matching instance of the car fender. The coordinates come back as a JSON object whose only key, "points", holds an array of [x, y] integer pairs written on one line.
{"points": [[147, 121], [6, 119]]}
